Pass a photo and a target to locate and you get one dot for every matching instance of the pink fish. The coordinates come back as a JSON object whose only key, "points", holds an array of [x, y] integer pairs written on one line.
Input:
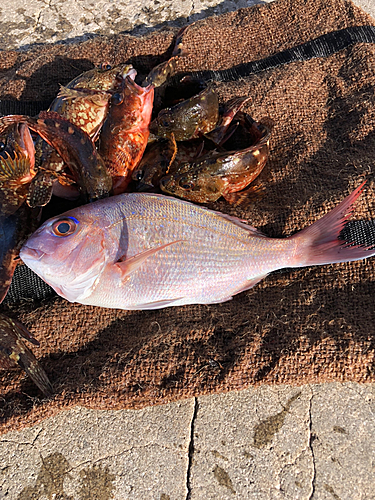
{"points": [[147, 251]]}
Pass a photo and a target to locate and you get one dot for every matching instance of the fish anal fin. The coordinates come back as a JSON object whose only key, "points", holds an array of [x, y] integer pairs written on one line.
{"points": [[249, 284], [131, 264]]}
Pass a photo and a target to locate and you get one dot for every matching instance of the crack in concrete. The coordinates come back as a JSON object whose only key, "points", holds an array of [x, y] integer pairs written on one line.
{"points": [[311, 438], [191, 449], [90, 461], [23, 443]]}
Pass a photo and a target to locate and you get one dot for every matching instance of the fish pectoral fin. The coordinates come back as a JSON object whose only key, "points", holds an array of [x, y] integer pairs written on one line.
{"points": [[129, 265]]}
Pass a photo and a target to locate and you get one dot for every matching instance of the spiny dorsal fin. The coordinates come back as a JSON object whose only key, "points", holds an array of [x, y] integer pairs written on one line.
{"points": [[13, 169]]}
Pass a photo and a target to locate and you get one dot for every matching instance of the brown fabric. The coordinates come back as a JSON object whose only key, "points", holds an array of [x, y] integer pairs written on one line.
{"points": [[302, 326]]}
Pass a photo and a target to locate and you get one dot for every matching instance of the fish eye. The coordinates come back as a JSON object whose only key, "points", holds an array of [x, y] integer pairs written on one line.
{"points": [[165, 122], [2, 146], [185, 183], [105, 67], [138, 175], [64, 227], [117, 98]]}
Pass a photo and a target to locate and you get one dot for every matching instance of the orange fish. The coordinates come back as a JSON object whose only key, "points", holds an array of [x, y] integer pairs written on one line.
{"points": [[125, 132]]}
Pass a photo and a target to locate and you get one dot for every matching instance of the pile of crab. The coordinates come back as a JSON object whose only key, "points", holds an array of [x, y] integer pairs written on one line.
{"points": [[103, 135]]}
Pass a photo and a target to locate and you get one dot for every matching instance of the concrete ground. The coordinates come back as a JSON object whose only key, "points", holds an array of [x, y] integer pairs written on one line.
{"points": [[309, 442]]}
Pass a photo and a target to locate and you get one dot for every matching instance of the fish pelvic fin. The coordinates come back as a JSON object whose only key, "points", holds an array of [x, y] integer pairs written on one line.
{"points": [[319, 243]]}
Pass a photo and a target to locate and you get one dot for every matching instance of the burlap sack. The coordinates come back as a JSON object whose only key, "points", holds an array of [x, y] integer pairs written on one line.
{"points": [[302, 326]]}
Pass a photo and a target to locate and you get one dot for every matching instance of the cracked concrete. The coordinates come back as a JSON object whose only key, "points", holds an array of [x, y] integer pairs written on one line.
{"points": [[39, 21], [311, 442], [254, 448], [143, 452]]}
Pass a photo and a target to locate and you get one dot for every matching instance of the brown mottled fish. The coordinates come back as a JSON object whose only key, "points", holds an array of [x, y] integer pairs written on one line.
{"points": [[188, 119], [220, 173], [14, 353], [84, 101], [74, 146]]}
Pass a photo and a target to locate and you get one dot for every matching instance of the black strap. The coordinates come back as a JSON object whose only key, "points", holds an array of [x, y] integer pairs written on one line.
{"points": [[323, 46]]}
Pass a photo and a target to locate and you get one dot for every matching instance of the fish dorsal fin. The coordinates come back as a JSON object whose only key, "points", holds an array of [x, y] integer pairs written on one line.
{"points": [[14, 169], [131, 264], [242, 223]]}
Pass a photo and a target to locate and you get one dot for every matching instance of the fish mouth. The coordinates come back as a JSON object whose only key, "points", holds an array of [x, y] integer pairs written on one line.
{"points": [[31, 253], [137, 89], [131, 73], [143, 186]]}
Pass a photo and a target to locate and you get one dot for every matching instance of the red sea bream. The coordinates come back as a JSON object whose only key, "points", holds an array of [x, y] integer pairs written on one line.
{"points": [[147, 251]]}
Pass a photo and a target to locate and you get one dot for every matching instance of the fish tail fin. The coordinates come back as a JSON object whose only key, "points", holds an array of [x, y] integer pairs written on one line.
{"points": [[320, 244]]}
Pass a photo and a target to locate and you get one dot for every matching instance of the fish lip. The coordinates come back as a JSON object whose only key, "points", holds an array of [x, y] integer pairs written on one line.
{"points": [[32, 253], [137, 89], [132, 73]]}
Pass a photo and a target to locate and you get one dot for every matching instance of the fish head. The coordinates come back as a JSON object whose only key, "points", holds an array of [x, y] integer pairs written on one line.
{"points": [[68, 252], [131, 106], [164, 124], [104, 78], [144, 175], [188, 119]]}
